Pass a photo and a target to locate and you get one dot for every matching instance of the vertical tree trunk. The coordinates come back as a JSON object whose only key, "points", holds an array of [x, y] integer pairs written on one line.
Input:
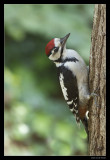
{"points": [[97, 82]]}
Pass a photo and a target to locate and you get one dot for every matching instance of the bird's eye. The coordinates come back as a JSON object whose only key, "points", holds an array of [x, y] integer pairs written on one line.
{"points": [[56, 49]]}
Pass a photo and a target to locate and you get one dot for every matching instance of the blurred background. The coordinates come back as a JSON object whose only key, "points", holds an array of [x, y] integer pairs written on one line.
{"points": [[37, 118]]}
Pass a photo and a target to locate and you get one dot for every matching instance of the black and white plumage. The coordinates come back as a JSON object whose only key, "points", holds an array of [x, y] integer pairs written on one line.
{"points": [[68, 83], [73, 76]]}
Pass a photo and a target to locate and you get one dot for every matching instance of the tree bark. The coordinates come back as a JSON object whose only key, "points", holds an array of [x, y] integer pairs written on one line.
{"points": [[97, 83]]}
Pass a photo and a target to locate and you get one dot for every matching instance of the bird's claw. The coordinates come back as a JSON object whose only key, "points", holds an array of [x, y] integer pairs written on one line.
{"points": [[94, 95]]}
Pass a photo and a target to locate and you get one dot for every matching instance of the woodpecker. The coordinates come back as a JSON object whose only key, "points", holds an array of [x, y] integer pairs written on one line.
{"points": [[73, 77]]}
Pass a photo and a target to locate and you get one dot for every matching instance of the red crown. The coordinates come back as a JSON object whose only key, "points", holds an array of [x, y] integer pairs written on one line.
{"points": [[49, 47]]}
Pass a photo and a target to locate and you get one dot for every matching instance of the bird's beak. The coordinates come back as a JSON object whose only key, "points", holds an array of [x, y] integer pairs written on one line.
{"points": [[64, 39]]}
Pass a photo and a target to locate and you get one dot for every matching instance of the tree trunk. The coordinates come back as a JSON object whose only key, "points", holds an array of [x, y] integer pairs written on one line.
{"points": [[97, 83]]}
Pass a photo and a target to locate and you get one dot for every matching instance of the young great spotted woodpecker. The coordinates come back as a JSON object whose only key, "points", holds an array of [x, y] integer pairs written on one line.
{"points": [[73, 77]]}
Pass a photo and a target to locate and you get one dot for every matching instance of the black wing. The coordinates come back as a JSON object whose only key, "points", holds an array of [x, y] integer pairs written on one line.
{"points": [[69, 88]]}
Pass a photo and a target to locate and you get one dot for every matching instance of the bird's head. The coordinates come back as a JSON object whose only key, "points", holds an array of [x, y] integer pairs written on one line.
{"points": [[55, 48]]}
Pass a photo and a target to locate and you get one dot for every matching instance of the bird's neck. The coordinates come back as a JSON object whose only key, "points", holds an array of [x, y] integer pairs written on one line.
{"points": [[67, 56]]}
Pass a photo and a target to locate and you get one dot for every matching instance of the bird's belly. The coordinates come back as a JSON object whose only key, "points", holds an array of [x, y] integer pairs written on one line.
{"points": [[83, 94]]}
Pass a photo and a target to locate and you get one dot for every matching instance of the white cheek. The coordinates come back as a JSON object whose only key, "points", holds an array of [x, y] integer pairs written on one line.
{"points": [[54, 56]]}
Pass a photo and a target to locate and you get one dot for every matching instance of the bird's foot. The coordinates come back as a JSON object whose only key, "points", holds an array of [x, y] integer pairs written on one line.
{"points": [[94, 96]]}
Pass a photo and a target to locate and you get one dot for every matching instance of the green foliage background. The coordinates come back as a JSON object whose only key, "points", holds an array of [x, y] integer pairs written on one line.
{"points": [[37, 119]]}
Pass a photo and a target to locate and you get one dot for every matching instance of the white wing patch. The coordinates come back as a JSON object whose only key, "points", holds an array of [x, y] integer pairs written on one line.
{"points": [[73, 109], [70, 102], [75, 104], [64, 90]]}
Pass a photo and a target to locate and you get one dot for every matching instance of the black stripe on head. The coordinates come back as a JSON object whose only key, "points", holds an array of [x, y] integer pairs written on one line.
{"points": [[55, 51]]}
